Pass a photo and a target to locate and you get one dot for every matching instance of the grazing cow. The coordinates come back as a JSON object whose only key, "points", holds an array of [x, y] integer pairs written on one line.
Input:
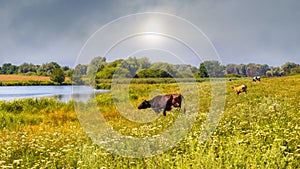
{"points": [[240, 89], [177, 99], [256, 78], [162, 102]]}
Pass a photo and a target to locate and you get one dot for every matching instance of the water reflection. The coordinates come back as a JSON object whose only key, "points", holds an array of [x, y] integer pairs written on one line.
{"points": [[61, 93]]}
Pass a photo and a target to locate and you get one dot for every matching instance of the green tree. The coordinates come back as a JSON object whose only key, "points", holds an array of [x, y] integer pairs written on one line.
{"points": [[290, 68], [58, 76], [97, 64], [252, 70], [269, 73], [263, 69], [153, 73], [27, 68], [295, 70], [168, 70], [131, 64], [231, 69], [243, 69], [8, 68], [203, 71], [144, 63], [109, 70], [211, 68], [48, 68], [80, 70]]}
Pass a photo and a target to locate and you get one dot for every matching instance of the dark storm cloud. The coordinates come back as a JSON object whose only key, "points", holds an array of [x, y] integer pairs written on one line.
{"points": [[251, 31], [242, 31]]}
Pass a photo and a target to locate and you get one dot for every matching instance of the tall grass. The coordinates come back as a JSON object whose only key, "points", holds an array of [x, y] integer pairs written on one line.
{"points": [[259, 129]]}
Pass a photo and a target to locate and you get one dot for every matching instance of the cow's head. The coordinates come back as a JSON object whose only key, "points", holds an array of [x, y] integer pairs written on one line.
{"points": [[144, 105]]}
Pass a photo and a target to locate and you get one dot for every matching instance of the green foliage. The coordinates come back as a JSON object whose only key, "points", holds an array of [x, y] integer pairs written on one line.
{"points": [[233, 75], [31, 83], [153, 73], [80, 70], [249, 70], [108, 71], [142, 68], [211, 69], [290, 68], [47, 68], [8, 68], [167, 70], [58, 76], [131, 65], [27, 68], [109, 82], [96, 65], [203, 71], [102, 86], [77, 80]]}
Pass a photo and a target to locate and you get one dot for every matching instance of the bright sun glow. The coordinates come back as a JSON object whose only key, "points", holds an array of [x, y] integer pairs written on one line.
{"points": [[152, 29], [152, 26], [150, 37]]}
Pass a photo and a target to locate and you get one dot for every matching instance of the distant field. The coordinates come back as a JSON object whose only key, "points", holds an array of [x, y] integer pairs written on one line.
{"points": [[8, 78]]}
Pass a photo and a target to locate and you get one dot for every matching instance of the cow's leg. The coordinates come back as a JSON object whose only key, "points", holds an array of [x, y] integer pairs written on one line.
{"points": [[168, 105], [165, 112]]}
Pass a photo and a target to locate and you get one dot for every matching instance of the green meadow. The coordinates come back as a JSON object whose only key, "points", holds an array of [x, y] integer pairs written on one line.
{"points": [[259, 129]]}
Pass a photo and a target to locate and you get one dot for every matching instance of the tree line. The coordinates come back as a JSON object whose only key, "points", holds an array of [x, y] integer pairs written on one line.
{"points": [[56, 72], [132, 67], [99, 68], [215, 69]]}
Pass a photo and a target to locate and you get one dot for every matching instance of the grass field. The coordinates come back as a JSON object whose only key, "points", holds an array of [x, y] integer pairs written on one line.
{"points": [[10, 80], [259, 129], [6, 78]]}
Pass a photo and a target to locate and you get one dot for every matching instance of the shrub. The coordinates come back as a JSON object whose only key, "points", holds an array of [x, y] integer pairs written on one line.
{"points": [[58, 76], [233, 75]]}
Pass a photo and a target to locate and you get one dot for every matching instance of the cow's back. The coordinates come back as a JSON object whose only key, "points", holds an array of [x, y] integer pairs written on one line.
{"points": [[160, 101]]}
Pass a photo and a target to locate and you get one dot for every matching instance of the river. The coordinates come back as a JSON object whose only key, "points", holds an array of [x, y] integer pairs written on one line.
{"points": [[62, 93]]}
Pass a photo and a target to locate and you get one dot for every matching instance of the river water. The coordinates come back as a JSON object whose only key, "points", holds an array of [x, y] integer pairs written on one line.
{"points": [[62, 93]]}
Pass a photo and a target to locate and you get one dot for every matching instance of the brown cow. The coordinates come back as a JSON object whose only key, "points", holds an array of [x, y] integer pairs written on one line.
{"points": [[162, 102], [240, 89]]}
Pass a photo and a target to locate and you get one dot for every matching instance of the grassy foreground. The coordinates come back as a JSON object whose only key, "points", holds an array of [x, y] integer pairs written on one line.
{"points": [[257, 130]]}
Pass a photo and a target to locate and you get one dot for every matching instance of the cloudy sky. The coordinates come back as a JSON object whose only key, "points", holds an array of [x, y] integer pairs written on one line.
{"points": [[242, 31]]}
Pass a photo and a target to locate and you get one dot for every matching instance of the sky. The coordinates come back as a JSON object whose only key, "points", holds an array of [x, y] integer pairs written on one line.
{"points": [[238, 31]]}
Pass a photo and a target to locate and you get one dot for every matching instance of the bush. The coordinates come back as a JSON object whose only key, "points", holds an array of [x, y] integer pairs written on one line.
{"points": [[103, 86], [232, 75], [58, 76]]}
